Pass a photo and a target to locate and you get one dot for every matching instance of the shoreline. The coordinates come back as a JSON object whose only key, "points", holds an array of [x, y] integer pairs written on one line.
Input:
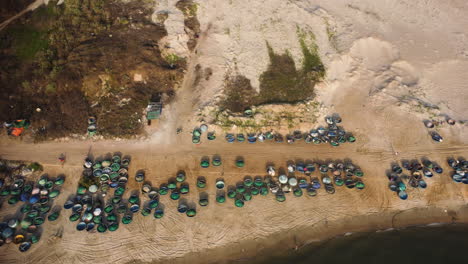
{"points": [[294, 240], [225, 234]]}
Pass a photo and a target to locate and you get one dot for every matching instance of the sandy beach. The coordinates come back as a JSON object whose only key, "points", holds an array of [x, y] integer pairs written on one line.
{"points": [[390, 65], [222, 232]]}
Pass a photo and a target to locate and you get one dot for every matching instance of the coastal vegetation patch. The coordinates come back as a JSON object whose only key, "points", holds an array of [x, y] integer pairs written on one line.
{"points": [[282, 82], [192, 26]]}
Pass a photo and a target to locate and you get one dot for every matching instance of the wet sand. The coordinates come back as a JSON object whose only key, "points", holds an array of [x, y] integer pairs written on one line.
{"points": [[291, 241]]}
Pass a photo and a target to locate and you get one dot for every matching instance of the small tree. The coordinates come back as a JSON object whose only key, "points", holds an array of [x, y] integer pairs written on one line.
{"points": [[172, 59], [35, 166]]}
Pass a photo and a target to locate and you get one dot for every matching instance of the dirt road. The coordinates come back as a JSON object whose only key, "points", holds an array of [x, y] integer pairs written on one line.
{"points": [[47, 153]]}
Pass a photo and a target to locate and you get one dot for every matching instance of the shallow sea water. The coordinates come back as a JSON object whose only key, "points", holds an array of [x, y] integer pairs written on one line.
{"points": [[431, 244]]}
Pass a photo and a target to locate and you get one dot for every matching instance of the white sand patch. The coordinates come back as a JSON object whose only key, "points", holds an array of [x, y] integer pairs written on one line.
{"points": [[372, 58], [176, 40], [137, 77]]}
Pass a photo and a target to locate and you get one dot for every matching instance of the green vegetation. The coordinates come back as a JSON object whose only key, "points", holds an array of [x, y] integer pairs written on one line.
{"points": [[52, 31], [88, 181], [282, 82], [331, 33], [424, 108], [192, 9], [188, 7], [238, 94], [311, 64], [27, 87], [35, 166], [50, 88], [69, 24], [124, 21], [265, 116], [172, 59], [28, 41], [225, 121], [82, 43], [45, 13], [267, 120], [120, 120]]}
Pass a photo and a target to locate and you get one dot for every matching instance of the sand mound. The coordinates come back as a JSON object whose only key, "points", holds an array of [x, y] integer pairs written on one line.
{"points": [[445, 84], [376, 55]]}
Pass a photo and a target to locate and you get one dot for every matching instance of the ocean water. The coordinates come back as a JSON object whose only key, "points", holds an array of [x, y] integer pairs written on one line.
{"points": [[432, 244]]}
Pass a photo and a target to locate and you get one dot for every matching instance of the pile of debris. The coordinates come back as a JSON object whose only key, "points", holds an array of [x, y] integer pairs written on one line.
{"points": [[17, 127]]}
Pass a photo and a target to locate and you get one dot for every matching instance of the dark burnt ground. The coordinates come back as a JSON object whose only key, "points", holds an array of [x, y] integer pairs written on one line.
{"points": [[192, 25], [78, 60], [9, 8], [238, 94]]}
